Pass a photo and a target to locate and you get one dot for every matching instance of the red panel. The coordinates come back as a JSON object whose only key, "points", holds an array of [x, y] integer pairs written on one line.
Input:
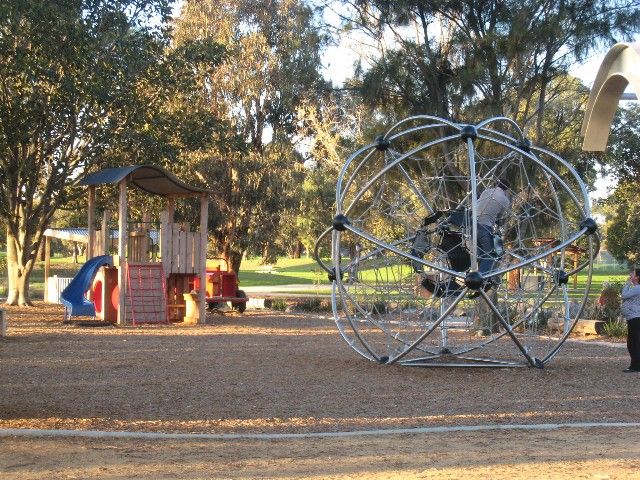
{"points": [[229, 285], [147, 293], [97, 296]]}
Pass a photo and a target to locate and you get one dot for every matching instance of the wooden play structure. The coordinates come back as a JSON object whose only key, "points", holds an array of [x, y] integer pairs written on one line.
{"points": [[150, 281], [619, 69], [572, 252]]}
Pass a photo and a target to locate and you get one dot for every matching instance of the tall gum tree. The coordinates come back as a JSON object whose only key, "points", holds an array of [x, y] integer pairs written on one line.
{"points": [[68, 75], [273, 65], [621, 208]]}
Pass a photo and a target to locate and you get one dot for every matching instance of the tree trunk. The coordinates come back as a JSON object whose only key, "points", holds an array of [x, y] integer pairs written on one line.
{"points": [[265, 253], [297, 251], [18, 273], [234, 260], [268, 255]]}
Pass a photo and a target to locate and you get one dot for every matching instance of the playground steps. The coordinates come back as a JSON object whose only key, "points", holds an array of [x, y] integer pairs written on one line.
{"points": [[146, 293]]}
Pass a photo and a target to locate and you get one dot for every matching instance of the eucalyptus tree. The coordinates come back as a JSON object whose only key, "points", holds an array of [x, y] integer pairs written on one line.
{"points": [[273, 61], [621, 208], [622, 157], [333, 126], [621, 211], [69, 78]]}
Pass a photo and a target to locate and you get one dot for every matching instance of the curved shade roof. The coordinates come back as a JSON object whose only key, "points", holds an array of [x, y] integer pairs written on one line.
{"points": [[150, 178], [620, 67]]}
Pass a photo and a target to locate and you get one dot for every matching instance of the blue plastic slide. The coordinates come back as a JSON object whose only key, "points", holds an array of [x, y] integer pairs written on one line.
{"points": [[75, 303]]}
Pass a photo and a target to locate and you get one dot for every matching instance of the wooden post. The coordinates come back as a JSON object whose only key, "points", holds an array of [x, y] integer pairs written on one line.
{"points": [[166, 236], [513, 279], [122, 254], [47, 266], [204, 230], [91, 231], [105, 233], [164, 239], [171, 208], [3, 323], [146, 227]]}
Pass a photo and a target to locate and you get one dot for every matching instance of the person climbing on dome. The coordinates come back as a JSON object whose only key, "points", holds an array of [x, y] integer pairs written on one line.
{"points": [[492, 204]]}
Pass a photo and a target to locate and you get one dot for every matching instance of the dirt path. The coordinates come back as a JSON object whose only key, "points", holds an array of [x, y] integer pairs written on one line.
{"points": [[277, 373], [597, 453]]}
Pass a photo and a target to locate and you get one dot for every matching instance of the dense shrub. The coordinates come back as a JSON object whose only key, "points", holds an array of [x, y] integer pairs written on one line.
{"points": [[607, 306], [279, 304], [615, 328]]}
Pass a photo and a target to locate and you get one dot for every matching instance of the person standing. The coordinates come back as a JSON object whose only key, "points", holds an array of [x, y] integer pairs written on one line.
{"points": [[630, 309], [492, 204]]}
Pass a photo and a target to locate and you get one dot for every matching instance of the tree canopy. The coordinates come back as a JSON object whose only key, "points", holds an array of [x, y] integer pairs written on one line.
{"points": [[230, 96], [69, 73], [272, 67], [471, 59], [621, 207]]}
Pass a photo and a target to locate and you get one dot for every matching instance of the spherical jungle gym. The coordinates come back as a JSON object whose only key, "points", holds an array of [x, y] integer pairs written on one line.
{"points": [[404, 241]]}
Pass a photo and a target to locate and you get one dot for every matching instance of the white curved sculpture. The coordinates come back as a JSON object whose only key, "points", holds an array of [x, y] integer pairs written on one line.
{"points": [[620, 68], [407, 287]]}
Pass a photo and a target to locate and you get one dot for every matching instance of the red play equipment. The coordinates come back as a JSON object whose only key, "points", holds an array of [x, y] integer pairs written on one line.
{"points": [[222, 286]]}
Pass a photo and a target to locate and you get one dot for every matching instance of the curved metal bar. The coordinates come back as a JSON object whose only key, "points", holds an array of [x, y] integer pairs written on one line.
{"points": [[379, 326], [585, 296], [549, 170], [350, 342], [342, 190], [442, 121], [353, 175], [364, 343], [567, 165], [367, 316], [482, 125], [391, 165], [316, 250], [415, 190], [391, 248], [433, 327], [540, 256], [513, 146], [346, 165], [508, 328], [431, 126]]}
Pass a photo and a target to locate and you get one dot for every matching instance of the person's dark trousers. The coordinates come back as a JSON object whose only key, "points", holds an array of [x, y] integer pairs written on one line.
{"points": [[486, 259], [633, 342]]}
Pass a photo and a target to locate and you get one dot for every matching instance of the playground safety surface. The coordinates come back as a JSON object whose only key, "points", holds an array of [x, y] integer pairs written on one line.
{"points": [[269, 372]]}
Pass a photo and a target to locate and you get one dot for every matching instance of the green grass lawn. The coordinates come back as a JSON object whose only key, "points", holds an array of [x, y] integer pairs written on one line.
{"points": [[286, 271], [60, 266]]}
